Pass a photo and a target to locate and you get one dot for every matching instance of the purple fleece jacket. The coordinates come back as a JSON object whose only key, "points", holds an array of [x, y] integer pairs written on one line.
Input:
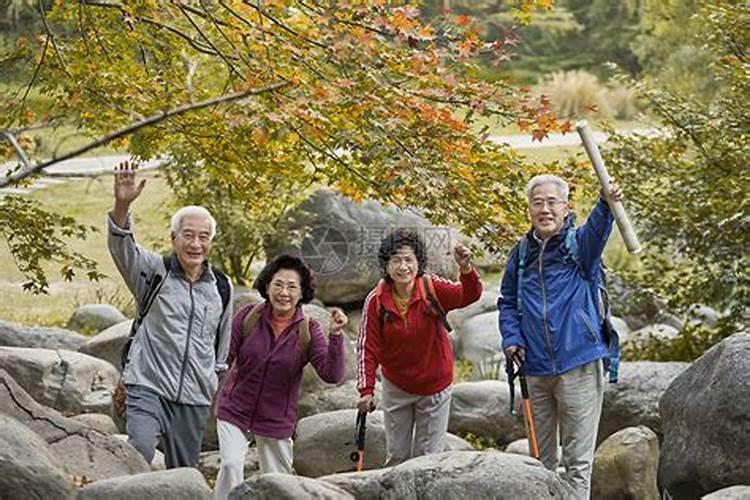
{"points": [[262, 388]]}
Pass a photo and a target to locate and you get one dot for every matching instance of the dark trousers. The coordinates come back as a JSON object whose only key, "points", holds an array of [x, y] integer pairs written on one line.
{"points": [[180, 426]]}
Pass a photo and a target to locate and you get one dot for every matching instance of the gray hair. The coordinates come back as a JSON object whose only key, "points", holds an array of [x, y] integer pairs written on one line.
{"points": [[562, 186], [192, 211]]}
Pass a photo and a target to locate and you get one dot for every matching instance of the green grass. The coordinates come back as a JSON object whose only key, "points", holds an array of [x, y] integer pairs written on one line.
{"points": [[88, 201]]}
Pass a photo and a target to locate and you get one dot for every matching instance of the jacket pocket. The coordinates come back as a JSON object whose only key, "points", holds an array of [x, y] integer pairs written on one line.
{"points": [[589, 327]]}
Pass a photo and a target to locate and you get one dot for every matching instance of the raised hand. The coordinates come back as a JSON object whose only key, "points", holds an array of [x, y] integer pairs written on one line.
{"points": [[126, 187], [339, 320], [614, 193], [463, 257]]}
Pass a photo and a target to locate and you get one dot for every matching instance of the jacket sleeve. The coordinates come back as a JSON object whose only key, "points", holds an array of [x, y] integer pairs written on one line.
{"points": [[225, 334], [457, 294], [593, 235], [327, 356], [368, 346], [508, 318], [134, 262]]}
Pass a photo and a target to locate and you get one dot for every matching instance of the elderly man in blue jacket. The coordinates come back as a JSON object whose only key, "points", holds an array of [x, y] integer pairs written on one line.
{"points": [[554, 328]]}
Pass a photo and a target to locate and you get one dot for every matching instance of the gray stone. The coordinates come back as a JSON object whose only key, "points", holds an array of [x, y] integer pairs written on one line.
{"points": [[660, 331], [457, 475], [703, 315], [621, 327], [93, 318], [27, 465], [108, 344], [13, 335], [479, 338], [286, 487], [82, 451], [625, 466], [98, 421], [67, 381], [331, 398], [243, 296], [634, 399], [482, 408], [741, 492], [486, 303], [162, 485], [705, 414], [159, 462], [344, 239], [209, 464]]}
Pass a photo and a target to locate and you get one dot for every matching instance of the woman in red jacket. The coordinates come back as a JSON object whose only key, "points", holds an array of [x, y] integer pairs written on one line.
{"points": [[271, 344], [402, 332]]}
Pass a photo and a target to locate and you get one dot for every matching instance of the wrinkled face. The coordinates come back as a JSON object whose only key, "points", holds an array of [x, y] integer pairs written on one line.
{"points": [[192, 243], [547, 210], [284, 291], [403, 266]]}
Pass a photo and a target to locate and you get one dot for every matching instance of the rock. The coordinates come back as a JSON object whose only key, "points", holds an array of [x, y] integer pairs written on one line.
{"points": [[325, 441], [621, 327], [13, 335], [457, 443], [703, 315], [159, 462], [331, 398], [92, 318], [98, 421], [67, 381], [705, 414], [286, 487], [479, 338], [344, 238], [243, 296], [731, 493], [162, 485], [634, 399], [81, 450], [108, 344], [487, 303], [457, 474], [625, 466], [659, 330], [482, 409], [28, 466], [519, 447], [210, 462]]}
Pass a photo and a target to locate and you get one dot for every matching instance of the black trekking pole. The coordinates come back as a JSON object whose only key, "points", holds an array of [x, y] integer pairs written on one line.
{"points": [[358, 456], [528, 415]]}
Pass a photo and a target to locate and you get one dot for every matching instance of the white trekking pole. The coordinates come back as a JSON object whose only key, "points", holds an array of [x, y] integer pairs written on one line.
{"points": [[621, 218]]}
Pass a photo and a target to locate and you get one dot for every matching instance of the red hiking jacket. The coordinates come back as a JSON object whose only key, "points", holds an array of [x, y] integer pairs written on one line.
{"points": [[414, 351]]}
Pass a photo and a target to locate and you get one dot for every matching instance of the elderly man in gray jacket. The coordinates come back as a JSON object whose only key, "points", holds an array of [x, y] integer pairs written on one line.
{"points": [[180, 346]]}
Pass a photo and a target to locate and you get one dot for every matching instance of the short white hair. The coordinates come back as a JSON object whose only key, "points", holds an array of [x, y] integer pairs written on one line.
{"points": [[192, 211], [539, 180]]}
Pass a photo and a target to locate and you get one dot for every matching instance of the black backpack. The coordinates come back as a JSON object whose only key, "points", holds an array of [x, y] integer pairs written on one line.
{"points": [[154, 282]]}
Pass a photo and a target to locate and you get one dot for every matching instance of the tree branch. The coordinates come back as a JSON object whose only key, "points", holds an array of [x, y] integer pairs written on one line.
{"points": [[29, 170]]}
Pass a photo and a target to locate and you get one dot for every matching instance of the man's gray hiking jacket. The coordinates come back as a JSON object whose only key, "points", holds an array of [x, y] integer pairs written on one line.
{"points": [[173, 351]]}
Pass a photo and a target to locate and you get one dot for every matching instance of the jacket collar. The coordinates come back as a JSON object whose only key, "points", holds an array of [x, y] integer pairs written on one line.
{"points": [[268, 312], [536, 241], [176, 268], [386, 294]]}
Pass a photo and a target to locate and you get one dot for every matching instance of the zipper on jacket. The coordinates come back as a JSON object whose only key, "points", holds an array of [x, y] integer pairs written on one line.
{"points": [[187, 344], [544, 307]]}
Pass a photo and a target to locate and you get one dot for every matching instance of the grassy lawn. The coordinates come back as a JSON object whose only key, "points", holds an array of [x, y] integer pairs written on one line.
{"points": [[88, 201]]}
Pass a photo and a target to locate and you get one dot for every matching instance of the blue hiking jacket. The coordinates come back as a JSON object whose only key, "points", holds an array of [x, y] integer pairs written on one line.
{"points": [[557, 324]]}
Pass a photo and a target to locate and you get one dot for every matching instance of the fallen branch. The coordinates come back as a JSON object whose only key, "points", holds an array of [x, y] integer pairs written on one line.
{"points": [[28, 169]]}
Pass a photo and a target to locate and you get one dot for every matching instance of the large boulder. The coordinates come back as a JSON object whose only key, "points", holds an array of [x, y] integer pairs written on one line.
{"points": [[705, 419], [13, 335], [482, 408], [93, 318], [479, 338], [286, 487], [634, 399], [162, 485], [344, 238], [740, 492], [625, 466], [324, 443], [331, 398], [82, 451], [457, 475], [100, 422], [28, 467], [108, 344], [67, 381], [659, 331], [486, 303]]}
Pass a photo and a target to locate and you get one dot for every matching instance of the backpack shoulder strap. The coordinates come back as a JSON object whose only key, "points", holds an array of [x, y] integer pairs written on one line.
{"points": [[427, 288], [222, 285], [303, 336], [382, 313], [252, 318], [523, 250]]}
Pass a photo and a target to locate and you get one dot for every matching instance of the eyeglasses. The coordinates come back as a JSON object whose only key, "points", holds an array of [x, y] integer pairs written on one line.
{"points": [[552, 203], [397, 261]]}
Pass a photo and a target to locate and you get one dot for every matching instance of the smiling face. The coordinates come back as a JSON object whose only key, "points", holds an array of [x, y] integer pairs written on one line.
{"points": [[403, 266], [284, 292], [192, 243], [547, 210]]}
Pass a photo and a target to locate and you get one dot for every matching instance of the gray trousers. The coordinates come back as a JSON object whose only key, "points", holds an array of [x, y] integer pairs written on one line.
{"points": [[414, 425], [569, 406], [180, 426]]}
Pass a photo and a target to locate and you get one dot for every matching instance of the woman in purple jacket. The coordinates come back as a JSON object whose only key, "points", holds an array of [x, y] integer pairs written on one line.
{"points": [[269, 349]]}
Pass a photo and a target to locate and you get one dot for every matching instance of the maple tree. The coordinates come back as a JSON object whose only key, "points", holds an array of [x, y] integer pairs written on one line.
{"points": [[363, 97]]}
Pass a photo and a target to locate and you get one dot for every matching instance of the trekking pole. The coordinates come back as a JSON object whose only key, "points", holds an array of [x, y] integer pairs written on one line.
{"points": [[528, 415], [623, 224], [358, 456]]}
